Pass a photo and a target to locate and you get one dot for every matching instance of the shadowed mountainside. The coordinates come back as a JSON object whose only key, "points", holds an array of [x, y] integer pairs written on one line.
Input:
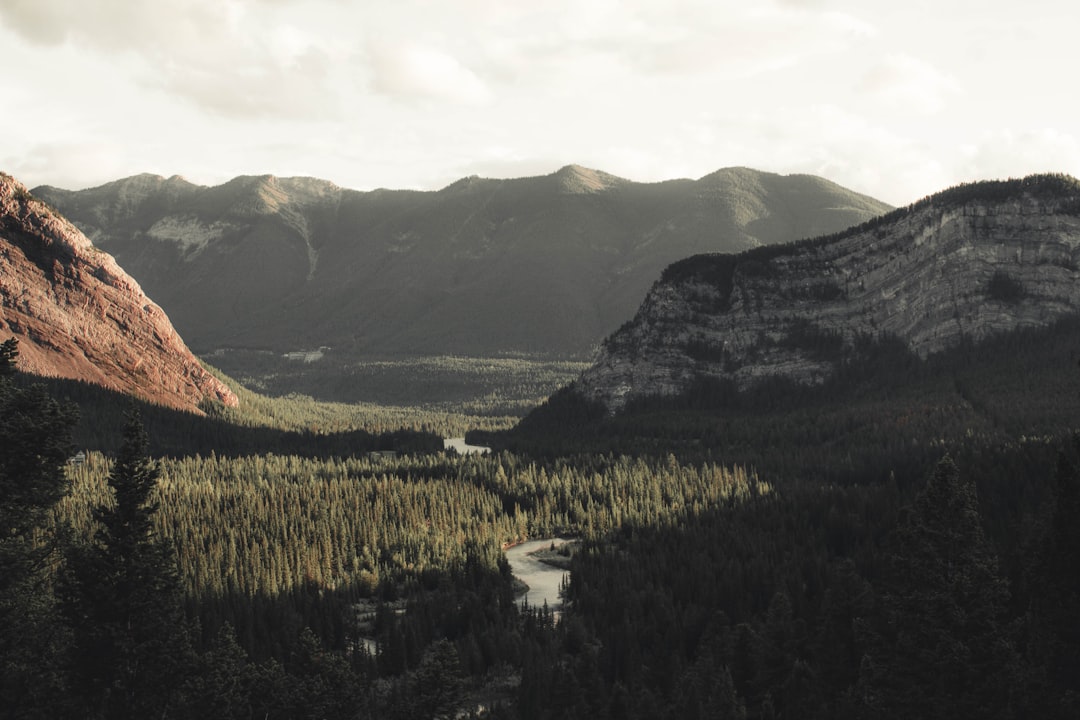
{"points": [[542, 266]]}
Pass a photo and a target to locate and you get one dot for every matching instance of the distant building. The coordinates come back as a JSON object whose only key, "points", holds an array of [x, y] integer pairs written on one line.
{"points": [[383, 455], [78, 458]]}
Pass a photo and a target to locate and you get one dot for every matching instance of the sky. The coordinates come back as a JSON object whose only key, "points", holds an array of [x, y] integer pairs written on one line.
{"points": [[893, 99]]}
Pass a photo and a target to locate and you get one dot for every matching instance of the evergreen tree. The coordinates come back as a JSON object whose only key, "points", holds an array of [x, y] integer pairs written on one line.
{"points": [[436, 688], [1054, 630], [942, 652], [131, 652], [320, 685], [35, 434]]}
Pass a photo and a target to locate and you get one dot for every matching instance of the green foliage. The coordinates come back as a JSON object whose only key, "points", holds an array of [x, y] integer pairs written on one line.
{"points": [[34, 445], [130, 650], [698, 589], [299, 536], [1054, 643], [297, 426], [36, 432], [943, 651], [885, 411]]}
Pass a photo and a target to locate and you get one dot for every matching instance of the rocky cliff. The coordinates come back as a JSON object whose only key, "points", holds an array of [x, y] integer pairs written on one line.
{"points": [[967, 263], [78, 315], [545, 265]]}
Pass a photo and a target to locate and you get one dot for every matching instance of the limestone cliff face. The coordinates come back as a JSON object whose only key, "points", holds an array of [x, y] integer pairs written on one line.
{"points": [[967, 263], [78, 315]]}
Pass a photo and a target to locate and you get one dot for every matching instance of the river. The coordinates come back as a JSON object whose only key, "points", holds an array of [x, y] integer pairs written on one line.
{"points": [[543, 579], [462, 448]]}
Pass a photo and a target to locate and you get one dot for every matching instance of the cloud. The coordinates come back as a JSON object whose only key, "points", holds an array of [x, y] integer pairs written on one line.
{"points": [[69, 165], [410, 93], [411, 70], [241, 58], [111, 25], [906, 83]]}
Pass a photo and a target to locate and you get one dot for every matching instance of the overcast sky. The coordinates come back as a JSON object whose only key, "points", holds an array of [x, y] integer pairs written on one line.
{"points": [[896, 99]]}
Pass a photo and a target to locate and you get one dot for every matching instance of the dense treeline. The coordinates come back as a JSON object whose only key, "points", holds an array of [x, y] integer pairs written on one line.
{"points": [[830, 602], [862, 576], [282, 528], [885, 412], [296, 426]]}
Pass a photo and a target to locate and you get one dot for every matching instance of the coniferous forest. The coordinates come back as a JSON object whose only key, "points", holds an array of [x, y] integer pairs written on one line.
{"points": [[901, 543]]}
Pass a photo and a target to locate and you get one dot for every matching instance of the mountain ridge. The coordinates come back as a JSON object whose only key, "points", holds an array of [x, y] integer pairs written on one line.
{"points": [[544, 265], [965, 263]]}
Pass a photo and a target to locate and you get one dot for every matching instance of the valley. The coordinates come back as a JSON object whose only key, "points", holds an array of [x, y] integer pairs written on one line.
{"points": [[538, 269], [497, 386], [790, 472]]}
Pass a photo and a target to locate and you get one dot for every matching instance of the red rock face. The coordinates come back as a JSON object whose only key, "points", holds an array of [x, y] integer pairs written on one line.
{"points": [[78, 315]]}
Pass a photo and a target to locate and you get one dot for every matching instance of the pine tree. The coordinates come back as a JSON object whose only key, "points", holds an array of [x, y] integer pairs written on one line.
{"points": [[131, 652], [1054, 631], [942, 652], [35, 438]]}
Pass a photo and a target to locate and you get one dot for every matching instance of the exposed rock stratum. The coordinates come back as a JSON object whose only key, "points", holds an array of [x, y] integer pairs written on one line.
{"points": [[966, 263], [78, 315]]}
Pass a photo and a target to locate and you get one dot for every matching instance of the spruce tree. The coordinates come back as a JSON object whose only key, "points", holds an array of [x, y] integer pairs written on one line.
{"points": [[131, 651], [35, 438], [1054, 576], [942, 651]]}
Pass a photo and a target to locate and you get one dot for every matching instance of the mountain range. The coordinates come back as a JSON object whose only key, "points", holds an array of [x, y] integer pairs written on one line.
{"points": [[541, 266], [78, 315]]}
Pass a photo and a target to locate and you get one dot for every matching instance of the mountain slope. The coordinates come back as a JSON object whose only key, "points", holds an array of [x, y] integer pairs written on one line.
{"points": [[543, 265], [78, 315], [966, 264]]}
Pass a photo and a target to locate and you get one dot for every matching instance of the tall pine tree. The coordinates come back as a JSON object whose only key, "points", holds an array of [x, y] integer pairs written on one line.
{"points": [[35, 439], [1054, 576], [942, 651], [131, 651]]}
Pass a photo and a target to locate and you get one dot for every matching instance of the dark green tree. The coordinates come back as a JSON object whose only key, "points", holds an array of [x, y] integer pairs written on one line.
{"points": [[131, 654], [228, 685], [436, 689], [35, 433], [1054, 576], [320, 685], [942, 651]]}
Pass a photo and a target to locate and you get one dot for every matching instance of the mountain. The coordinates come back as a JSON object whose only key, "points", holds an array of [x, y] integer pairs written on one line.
{"points": [[78, 315], [974, 262], [541, 266]]}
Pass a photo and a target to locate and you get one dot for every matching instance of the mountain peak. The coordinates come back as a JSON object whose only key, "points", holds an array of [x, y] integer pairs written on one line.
{"points": [[578, 180], [483, 265]]}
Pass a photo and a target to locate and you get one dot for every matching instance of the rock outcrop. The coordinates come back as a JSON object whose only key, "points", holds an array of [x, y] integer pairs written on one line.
{"points": [[78, 315], [964, 264]]}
